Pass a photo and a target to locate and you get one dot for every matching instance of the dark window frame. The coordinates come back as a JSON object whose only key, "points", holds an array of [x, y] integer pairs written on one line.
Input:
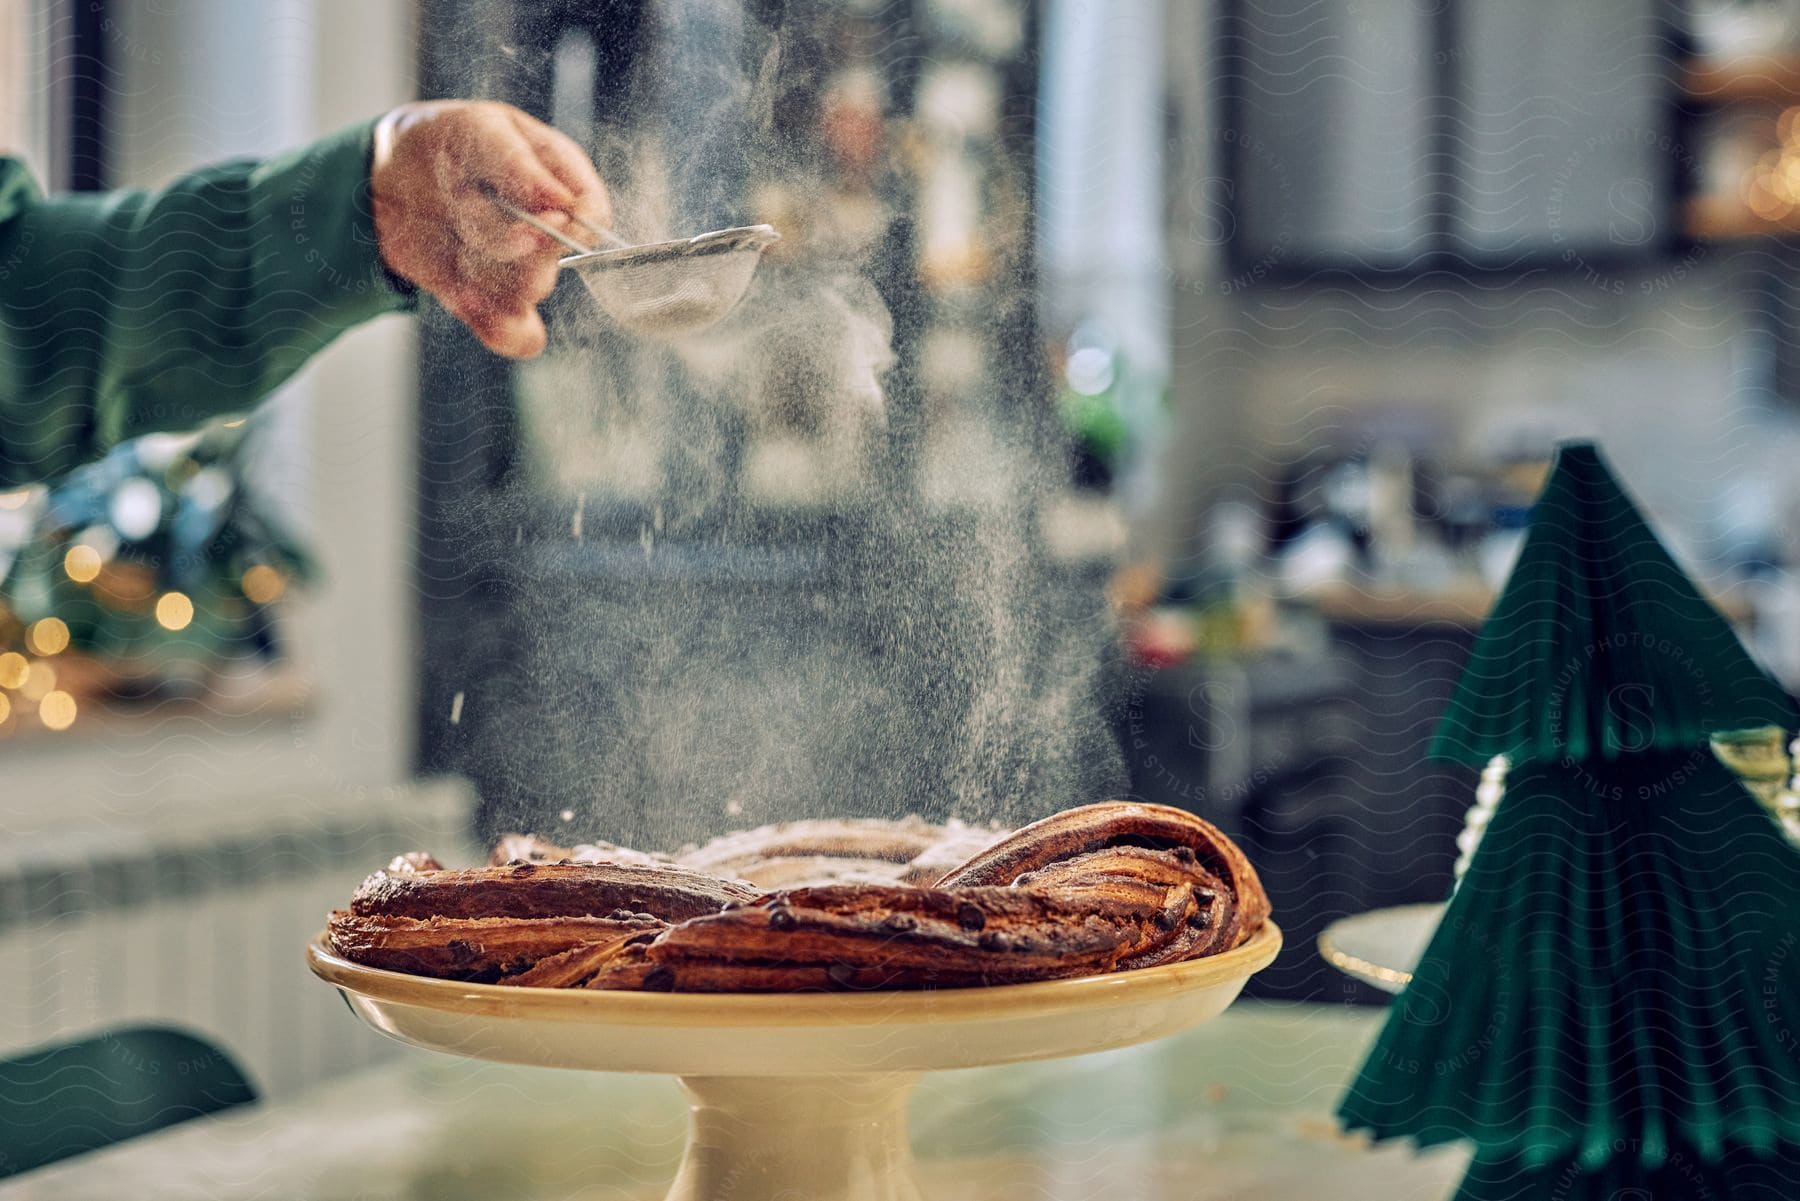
{"points": [[80, 76], [1442, 259]]}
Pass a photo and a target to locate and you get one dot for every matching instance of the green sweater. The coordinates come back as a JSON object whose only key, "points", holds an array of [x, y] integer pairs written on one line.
{"points": [[126, 312]]}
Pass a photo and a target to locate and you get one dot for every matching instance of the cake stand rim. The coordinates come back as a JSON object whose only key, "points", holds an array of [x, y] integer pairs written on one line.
{"points": [[1388, 977], [799, 1010]]}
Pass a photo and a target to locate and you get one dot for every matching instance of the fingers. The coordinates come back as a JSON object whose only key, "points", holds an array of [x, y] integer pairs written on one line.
{"points": [[437, 226], [520, 176], [511, 171], [517, 333], [573, 169], [494, 284], [483, 228], [498, 302]]}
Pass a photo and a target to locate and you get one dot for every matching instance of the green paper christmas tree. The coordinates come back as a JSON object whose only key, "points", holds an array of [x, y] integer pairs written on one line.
{"points": [[1600, 645], [1611, 1005]]}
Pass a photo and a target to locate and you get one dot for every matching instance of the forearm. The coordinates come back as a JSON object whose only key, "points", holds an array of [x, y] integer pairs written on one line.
{"points": [[135, 311]]}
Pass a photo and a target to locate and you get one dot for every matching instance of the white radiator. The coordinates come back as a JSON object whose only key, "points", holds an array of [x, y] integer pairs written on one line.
{"points": [[204, 928]]}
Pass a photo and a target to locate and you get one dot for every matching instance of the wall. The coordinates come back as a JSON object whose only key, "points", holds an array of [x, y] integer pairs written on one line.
{"points": [[23, 104]]}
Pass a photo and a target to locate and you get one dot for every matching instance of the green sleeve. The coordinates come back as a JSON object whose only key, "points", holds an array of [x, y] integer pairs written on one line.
{"points": [[129, 312]]}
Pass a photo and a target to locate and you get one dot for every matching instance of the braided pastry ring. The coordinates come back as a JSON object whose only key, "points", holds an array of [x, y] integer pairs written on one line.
{"points": [[1102, 888]]}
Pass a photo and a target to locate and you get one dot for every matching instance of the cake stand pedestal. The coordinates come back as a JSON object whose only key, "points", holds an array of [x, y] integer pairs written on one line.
{"points": [[795, 1097], [830, 1136]]}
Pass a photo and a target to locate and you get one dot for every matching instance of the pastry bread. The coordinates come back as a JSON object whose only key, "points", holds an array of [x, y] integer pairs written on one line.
{"points": [[840, 904], [861, 936], [546, 890], [482, 948]]}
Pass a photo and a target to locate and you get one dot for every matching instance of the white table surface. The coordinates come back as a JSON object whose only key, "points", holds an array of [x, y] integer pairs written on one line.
{"points": [[1239, 1108]]}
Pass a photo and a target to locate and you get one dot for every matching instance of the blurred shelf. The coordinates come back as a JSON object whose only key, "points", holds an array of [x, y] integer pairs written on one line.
{"points": [[1726, 219], [1463, 606], [1748, 77]]}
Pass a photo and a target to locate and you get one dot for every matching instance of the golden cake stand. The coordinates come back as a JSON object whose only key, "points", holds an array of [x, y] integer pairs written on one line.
{"points": [[800, 1097]]}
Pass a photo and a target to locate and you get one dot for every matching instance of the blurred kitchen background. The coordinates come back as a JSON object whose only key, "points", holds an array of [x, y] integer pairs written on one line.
{"points": [[1294, 298]]}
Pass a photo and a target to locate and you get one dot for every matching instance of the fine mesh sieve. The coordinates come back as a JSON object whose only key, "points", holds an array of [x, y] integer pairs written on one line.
{"points": [[661, 289], [666, 289]]}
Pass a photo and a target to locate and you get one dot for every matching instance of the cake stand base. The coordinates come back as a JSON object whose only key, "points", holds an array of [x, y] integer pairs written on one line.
{"points": [[821, 1138]]}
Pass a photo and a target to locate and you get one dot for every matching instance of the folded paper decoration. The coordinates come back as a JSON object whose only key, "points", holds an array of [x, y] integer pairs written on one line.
{"points": [[1600, 645], [1612, 1001]]}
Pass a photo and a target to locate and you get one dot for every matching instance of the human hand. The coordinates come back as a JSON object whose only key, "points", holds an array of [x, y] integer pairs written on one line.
{"points": [[436, 229]]}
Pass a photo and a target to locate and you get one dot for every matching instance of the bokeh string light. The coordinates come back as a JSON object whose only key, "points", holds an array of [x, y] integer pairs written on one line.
{"points": [[57, 710], [82, 563], [263, 585], [174, 610], [47, 636], [1771, 188]]}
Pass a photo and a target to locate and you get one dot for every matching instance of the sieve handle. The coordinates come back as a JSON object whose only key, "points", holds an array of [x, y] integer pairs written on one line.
{"points": [[605, 236], [548, 230]]}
